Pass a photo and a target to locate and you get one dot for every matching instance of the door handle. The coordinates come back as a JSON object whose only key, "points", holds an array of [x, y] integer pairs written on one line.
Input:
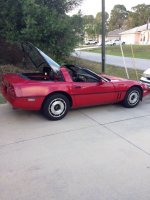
{"points": [[77, 86]]}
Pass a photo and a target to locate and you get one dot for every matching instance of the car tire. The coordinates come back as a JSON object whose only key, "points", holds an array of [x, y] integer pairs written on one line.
{"points": [[56, 107], [132, 98]]}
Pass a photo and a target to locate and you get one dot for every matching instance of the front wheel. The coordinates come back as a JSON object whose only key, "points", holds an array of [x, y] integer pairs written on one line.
{"points": [[132, 98], [56, 107]]}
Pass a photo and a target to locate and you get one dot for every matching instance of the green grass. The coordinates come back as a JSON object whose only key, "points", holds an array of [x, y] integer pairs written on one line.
{"points": [[1, 99], [110, 70], [140, 51]]}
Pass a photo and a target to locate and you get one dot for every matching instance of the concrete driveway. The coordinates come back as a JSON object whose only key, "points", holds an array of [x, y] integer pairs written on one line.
{"points": [[100, 153]]}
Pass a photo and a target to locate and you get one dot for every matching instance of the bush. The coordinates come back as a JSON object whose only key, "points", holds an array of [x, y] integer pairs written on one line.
{"points": [[10, 53], [4, 69]]}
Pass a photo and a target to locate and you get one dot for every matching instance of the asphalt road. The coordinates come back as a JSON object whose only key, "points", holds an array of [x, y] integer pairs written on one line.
{"points": [[114, 60], [99, 153]]}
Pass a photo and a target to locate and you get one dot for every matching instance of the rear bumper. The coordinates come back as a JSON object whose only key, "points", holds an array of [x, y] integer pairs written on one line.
{"points": [[26, 103]]}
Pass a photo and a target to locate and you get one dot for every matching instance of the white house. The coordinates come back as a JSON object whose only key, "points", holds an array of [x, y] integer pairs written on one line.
{"points": [[137, 35]]}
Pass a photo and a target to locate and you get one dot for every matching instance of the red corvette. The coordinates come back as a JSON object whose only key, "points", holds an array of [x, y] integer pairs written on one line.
{"points": [[56, 89]]}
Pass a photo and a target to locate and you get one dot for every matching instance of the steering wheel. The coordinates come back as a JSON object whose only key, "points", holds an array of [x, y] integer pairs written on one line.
{"points": [[80, 78]]}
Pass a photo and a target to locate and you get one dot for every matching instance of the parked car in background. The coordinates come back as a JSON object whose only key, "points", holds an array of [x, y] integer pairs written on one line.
{"points": [[108, 42], [99, 43], [146, 77], [117, 42], [91, 42]]}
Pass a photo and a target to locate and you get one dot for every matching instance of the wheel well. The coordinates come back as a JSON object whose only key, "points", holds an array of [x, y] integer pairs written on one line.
{"points": [[139, 87], [59, 92]]}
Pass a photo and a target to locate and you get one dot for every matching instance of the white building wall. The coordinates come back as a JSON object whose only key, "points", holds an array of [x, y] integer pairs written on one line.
{"points": [[145, 37], [128, 38]]}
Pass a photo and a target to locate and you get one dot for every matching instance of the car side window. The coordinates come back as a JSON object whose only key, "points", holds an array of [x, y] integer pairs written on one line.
{"points": [[85, 76], [79, 74]]}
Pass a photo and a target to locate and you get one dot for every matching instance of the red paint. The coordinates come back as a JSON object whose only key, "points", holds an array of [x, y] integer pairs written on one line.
{"points": [[30, 94]]}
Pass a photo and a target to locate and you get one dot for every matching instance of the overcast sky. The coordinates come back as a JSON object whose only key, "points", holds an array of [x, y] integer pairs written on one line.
{"points": [[93, 6]]}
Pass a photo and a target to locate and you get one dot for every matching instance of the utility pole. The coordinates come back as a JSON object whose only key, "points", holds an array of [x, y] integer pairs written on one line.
{"points": [[103, 36]]}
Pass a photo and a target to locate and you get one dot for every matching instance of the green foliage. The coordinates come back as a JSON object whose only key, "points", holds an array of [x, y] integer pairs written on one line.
{"points": [[121, 18], [88, 21], [118, 15], [61, 6], [98, 22], [2, 100], [42, 22], [11, 20], [138, 16], [93, 26]]}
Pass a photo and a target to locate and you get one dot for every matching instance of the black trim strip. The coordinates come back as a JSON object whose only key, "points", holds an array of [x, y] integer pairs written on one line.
{"points": [[99, 93]]}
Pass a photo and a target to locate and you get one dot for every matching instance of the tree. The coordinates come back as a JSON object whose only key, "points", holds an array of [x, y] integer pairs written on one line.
{"points": [[11, 19], [93, 26], [138, 16], [88, 21], [62, 6], [98, 22], [78, 26], [117, 17], [42, 22]]}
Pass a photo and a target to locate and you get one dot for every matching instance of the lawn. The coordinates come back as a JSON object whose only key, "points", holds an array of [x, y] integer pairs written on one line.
{"points": [[140, 51], [1, 99]]}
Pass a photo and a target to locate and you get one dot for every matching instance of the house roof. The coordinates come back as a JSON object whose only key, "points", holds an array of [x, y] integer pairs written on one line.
{"points": [[136, 29], [115, 32]]}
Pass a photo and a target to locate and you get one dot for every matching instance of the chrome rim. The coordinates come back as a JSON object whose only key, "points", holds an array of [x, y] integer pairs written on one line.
{"points": [[57, 107], [133, 98]]}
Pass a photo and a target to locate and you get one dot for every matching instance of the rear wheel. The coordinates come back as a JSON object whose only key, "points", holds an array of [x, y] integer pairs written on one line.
{"points": [[56, 107], [132, 98]]}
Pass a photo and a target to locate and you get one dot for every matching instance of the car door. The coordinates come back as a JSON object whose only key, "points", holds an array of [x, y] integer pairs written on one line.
{"points": [[93, 92]]}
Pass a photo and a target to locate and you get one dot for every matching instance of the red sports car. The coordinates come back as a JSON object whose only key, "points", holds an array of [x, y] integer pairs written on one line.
{"points": [[56, 89]]}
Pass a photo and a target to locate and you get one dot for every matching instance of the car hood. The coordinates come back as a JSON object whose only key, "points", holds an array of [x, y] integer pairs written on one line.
{"points": [[122, 81], [113, 78]]}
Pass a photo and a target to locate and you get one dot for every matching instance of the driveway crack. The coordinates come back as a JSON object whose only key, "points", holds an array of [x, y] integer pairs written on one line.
{"points": [[43, 136], [128, 141], [115, 133]]}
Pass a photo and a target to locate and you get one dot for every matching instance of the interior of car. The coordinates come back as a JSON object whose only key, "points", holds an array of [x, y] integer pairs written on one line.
{"points": [[45, 75], [79, 74]]}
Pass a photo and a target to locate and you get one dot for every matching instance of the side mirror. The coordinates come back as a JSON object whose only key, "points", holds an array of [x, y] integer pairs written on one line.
{"points": [[100, 81]]}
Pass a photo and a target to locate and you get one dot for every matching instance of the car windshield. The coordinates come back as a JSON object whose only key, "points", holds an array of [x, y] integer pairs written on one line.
{"points": [[38, 57]]}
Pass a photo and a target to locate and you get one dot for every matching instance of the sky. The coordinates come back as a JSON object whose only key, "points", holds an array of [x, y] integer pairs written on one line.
{"points": [[89, 7]]}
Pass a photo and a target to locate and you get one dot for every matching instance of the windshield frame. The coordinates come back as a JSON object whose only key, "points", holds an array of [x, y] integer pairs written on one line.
{"points": [[50, 62]]}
